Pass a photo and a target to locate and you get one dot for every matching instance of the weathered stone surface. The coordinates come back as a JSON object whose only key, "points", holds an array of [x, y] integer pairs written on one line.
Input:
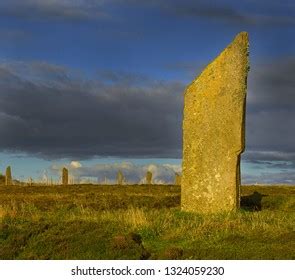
{"points": [[65, 176], [8, 177], [120, 178], [177, 179], [213, 132], [149, 177]]}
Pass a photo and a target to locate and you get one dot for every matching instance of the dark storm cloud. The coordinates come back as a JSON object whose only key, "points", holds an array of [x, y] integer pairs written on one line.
{"points": [[49, 111], [273, 83], [228, 11], [123, 77], [52, 9], [270, 117]]}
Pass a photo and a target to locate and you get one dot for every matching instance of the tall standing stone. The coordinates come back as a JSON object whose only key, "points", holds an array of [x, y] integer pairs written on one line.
{"points": [[8, 177], [120, 178], [65, 176], [149, 177], [214, 132]]}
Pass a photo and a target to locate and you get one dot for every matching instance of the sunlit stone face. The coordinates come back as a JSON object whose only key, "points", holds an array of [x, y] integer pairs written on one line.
{"points": [[213, 132]]}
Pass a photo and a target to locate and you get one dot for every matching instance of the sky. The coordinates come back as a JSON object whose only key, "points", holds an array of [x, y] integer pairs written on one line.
{"points": [[97, 85]]}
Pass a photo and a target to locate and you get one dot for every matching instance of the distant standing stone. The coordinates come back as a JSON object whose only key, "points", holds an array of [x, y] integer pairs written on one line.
{"points": [[214, 132], [65, 176], [149, 177], [120, 178], [30, 181], [8, 177]]}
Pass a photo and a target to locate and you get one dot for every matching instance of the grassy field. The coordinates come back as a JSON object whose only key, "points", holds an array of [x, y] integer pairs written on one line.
{"points": [[140, 222]]}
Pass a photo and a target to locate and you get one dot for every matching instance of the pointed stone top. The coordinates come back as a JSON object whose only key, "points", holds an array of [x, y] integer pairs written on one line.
{"points": [[242, 37], [233, 60], [240, 45]]}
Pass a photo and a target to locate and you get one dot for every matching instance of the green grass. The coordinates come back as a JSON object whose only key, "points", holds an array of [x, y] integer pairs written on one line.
{"points": [[139, 222]]}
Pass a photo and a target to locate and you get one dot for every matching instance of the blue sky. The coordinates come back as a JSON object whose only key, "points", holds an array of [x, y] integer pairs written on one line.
{"points": [[101, 82]]}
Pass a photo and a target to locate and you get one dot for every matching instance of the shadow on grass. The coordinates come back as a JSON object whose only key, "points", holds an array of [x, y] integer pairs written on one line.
{"points": [[252, 202]]}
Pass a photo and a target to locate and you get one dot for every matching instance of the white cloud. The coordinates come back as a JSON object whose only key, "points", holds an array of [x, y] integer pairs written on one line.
{"points": [[75, 164]]}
